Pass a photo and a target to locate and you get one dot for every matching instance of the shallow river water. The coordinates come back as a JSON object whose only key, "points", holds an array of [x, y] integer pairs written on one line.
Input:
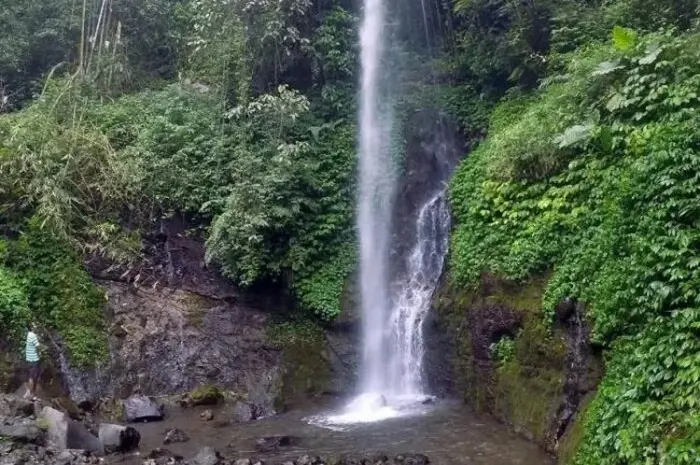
{"points": [[447, 433]]}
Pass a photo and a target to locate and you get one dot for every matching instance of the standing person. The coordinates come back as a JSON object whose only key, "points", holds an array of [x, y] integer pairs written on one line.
{"points": [[32, 357]]}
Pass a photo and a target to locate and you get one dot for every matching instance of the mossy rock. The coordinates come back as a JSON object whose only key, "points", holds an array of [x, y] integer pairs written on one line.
{"points": [[570, 441], [112, 410], [305, 366], [527, 397], [526, 390], [206, 395]]}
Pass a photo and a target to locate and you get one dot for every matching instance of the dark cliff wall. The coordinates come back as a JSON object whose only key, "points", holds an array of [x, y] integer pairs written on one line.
{"points": [[434, 146], [175, 324], [491, 346]]}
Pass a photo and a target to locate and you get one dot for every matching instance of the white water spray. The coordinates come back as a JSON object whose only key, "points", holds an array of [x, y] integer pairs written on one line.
{"points": [[414, 296], [375, 198]]}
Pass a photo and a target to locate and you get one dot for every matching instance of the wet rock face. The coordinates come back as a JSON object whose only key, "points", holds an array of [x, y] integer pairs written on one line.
{"points": [[434, 147], [165, 341], [175, 325], [536, 382]]}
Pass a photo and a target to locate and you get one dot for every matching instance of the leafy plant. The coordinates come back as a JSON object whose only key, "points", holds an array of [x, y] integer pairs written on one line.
{"points": [[503, 350], [60, 294], [14, 311], [614, 219]]}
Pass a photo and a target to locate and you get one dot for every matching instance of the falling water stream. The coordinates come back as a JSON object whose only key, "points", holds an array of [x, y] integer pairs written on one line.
{"points": [[392, 312]]}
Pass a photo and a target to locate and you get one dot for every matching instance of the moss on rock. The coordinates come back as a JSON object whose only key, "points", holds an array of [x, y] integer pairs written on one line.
{"points": [[526, 389], [570, 441], [206, 395], [305, 368], [196, 307]]}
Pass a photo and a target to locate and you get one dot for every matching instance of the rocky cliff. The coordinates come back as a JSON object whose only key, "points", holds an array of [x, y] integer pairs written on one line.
{"points": [[175, 324], [491, 346]]}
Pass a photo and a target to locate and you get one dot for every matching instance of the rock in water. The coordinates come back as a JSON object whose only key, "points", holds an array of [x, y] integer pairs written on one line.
{"points": [[274, 443], [206, 456], [206, 415], [175, 435], [117, 438], [205, 395], [141, 408], [65, 433], [412, 459], [242, 412]]}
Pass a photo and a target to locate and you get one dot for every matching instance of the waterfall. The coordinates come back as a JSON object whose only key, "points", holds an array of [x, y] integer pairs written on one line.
{"points": [[393, 303], [414, 296], [376, 190]]}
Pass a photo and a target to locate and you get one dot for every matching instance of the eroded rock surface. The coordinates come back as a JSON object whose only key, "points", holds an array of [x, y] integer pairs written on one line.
{"points": [[491, 346]]}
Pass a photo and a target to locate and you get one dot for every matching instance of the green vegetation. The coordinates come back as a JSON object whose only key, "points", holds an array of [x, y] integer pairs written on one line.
{"points": [[237, 116], [248, 147], [522, 381], [595, 176], [60, 294], [206, 395]]}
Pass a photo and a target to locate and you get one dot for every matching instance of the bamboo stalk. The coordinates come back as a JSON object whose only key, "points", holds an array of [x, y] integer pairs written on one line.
{"points": [[81, 60], [117, 38], [93, 39]]}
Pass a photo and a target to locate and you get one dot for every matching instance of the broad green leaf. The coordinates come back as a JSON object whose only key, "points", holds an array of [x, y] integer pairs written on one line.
{"points": [[574, 134], [607, 67], [651, 56], [624, 39]]}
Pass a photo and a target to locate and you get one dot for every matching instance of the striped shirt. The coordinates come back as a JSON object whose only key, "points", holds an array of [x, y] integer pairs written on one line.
{"points": [[32, 346]]}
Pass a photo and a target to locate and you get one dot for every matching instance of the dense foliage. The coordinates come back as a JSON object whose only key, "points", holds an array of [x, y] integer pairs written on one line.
{"points": [[238, 117], [253, 144], [596, 177]]}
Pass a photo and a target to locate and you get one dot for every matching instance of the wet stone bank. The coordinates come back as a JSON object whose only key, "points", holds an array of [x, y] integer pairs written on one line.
{"points": [[448, 434]]}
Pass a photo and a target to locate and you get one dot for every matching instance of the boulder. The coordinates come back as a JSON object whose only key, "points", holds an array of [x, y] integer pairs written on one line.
{"points": [[15, 406], [242, 412], [65, 433], [175, 435], [274, 443], [22, 430], [142, 408], [65, 404], [205, 395], [118, 438], [206, 415], [412, 459], [207, 456]]}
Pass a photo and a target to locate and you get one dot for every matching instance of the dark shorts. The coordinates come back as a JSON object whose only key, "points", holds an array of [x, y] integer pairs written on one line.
{"points": [[34, 369]]}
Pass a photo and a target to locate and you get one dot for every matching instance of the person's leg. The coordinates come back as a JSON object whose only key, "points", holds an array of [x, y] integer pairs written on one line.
{"points": [[28, 384], [33, 378]]}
